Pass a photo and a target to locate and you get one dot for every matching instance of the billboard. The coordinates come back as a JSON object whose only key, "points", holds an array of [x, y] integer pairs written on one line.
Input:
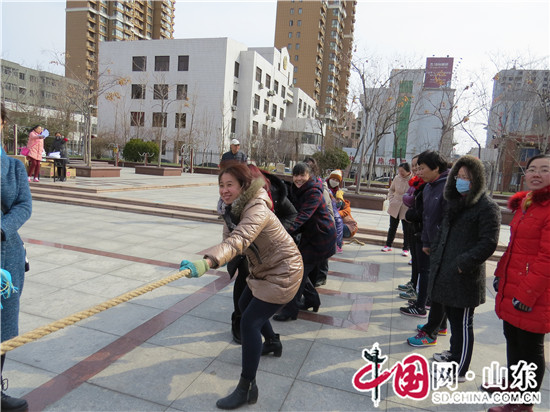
{"points": [[439, 72]]}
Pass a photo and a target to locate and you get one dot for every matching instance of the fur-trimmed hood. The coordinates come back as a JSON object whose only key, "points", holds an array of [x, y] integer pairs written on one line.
{"points": [[238, 205], [539, 196], [477, 175]]}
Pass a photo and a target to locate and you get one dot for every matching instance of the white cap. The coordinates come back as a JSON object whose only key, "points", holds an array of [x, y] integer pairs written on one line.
{"points": [[235, 142]]}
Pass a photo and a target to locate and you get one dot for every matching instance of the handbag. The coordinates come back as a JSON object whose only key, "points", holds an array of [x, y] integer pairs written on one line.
{"points": [[25, 151]]}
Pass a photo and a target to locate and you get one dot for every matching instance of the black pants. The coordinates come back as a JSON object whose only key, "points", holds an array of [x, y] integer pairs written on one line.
{"points": [[437, 319], [462, 336], [526, 346], [311, 297], [254, 324], [414, 260], [423, 268], [394, 222], [320, 273]]}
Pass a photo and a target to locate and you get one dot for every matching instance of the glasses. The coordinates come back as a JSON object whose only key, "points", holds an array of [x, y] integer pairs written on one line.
{"points": [[533, 170]]}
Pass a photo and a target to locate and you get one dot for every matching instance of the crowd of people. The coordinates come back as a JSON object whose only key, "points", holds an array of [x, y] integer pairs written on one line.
{"points": [[450, 228]]}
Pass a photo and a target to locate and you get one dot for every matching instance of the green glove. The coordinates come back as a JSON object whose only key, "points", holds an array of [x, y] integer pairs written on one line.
{"points": [[197, 268]]}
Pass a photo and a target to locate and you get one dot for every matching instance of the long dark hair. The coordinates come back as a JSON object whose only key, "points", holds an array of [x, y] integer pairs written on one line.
{"points": [[239, 171]]}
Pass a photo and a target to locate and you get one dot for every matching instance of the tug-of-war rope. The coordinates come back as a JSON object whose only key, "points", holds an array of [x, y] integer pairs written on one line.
{"points": [[42, 331]]}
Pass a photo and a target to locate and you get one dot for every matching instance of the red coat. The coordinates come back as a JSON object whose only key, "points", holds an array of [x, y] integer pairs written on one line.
{"points": [[524, 269]]}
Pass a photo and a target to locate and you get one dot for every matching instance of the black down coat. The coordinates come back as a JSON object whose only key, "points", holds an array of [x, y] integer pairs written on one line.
{"points": [[468, 237]]}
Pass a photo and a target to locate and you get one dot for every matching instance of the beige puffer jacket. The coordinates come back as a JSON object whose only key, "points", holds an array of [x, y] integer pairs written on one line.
{"points": [[398, 188], [276, 266]]}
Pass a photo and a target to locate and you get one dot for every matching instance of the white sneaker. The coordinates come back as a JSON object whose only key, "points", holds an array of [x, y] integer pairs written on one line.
{"points": [[30, 179], [36, 179], [386, 249], [405, 253]]}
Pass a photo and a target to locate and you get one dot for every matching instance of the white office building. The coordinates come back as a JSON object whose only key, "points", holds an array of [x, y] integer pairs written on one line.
{"points": [[197, 93]]}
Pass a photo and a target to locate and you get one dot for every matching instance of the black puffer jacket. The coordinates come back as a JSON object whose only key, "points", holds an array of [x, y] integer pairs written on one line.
{"points": [[282, 206], [468, 237]]}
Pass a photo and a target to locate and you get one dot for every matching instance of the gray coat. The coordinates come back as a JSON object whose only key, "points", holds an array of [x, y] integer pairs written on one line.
{"points": [[468, 237], [17, 205]]}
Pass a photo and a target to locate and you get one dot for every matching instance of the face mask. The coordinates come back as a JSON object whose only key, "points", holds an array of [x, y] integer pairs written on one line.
{"points": [[333, 182], [462, 185]]}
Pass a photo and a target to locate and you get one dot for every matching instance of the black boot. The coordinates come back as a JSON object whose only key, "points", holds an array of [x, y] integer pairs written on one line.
{"points": [[245, 392], [236, 327], [10, 403], [273, 345]]}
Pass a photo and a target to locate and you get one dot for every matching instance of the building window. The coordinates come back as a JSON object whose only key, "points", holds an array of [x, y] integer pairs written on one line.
{"points": [[297, 46], [137, 118], [181, 120], [300, 11], [236, 71], [296, 58], [282, 114], [235, 97], [290, 35], [159, 119], [299, 105], [299, 23], [258, 75], [181, 92], [162, 63], [139, 63], [291, 11], [267, 81], [289, 46], [255, 128], [294, 80], [273, 133], [275, 86], [160, 91], [291, 23], [274, 110], [283, 92], [183, 63], [334, 23], [21, 76], [264, 130], [266, 106], [138, 91], [298, 34], [233, 125], [256, 102]]}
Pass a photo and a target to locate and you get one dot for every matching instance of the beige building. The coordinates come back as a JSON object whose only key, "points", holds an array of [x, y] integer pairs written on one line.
{"points": [[90, 22], [319, 38]]}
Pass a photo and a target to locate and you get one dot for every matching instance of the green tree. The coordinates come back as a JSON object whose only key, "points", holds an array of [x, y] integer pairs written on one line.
{"points": [[135, 150], [333, 158]]}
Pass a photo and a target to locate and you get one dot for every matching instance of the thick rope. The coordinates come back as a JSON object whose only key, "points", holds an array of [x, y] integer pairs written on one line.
{"points": [[42, 331]]}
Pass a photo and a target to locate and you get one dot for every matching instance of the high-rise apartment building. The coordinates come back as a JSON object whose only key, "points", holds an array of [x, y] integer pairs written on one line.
{"points": [[319, 38], [90, 22]]}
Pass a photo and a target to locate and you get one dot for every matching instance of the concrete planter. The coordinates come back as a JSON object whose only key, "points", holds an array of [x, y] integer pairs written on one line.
{"points": [[97, 171], [158, 171]]}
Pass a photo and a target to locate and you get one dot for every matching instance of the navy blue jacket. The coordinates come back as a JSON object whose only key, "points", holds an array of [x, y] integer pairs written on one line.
{"points": [[434, 208], [318, 233]]}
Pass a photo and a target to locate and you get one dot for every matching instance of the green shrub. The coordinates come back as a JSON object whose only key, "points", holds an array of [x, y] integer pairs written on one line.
{"points": [[135, 148], [331, 159]]}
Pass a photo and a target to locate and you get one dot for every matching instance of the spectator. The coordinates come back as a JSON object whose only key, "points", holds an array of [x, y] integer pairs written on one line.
{"points": [[468, 237], [433, 169], [59, 146], [35, 145], [397, 209], [344, 209], [234, 155], [522, 278]]}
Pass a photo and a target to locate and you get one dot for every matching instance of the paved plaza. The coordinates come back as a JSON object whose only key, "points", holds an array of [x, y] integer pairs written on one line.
{"points": [[171, 349]]}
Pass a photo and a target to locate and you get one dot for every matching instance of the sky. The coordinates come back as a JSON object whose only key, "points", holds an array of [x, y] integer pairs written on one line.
{"points": [[473, 32]]}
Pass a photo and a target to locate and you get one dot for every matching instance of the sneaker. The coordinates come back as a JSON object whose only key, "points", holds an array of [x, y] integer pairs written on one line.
{"points": [[444, 356], [461, 379], [338, 249], [386, 249], [405, 253], [406, 287], [421, 339], [413, 310], [408, 295], [36, 179], [30, 179], [441, 332], [410, 262]]}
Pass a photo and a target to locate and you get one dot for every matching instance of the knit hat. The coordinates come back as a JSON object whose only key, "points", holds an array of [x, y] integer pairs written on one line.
{"points": [[336, 174]]}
